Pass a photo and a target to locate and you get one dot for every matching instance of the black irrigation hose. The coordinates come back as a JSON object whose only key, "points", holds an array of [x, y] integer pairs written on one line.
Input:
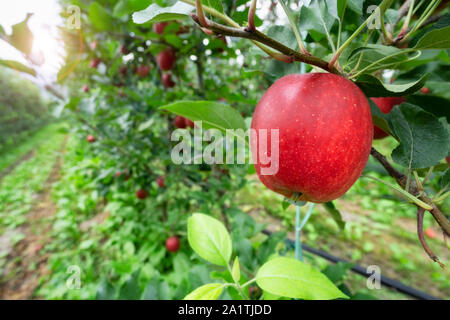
{"points": [[388, 282]]}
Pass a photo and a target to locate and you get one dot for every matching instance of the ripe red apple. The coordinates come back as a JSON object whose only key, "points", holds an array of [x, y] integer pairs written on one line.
{"points": [[159, 27], [167, 80], [430, 233], [118, 173], [160, 181], [166, 59], [143, 71], [385, 104], [85, 88], [173, 244], [425, 90], [180, 122], [90, 138], [141, 194], [189, 123], [95, 62], [325, 135], [124, 50]]}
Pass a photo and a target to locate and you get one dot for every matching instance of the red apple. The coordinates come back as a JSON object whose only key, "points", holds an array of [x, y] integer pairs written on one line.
{"points": [[173, 244], [143, 71], [159, 27], [189, 123], [430, 233], [385, 104], [95, 62], [141, 194], [166, 59], [425, 90], [325, 135], [160, 181], [180, 122], [85, 88], [90, 138], [447, 159], [118, 173], [167, 80]]}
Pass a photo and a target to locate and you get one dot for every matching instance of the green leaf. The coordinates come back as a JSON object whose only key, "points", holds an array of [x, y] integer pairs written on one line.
{"points": [[337, 272], [155, 13], [130, 289], [209, 238], [421, 135], [445, 179], [373, 87], [215, 4], [236, 271], [105, 291], [18, 66], [145, 125], [435, 39], [209, 291], [125, 7], [294, 279], [335, 214], [2, 31], [356, 6], [214, 115], [100, 18], [156, 289], [443, 22], [436, 105], [316, 17]]}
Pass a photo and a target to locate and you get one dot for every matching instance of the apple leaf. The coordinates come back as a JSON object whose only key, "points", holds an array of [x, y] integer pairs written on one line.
{"points": [[210, 291], [125, 7], [209, 238], [22, 37], [316, 17], [18, 66], [445, 179], [436, 105], [443, 22], [291, 278], [435, 39], [214, 115], [155, 13], [424, 140], [214, 4], [373, 87], [105, 291], [130, 290], [335, 214], [100, 18]]}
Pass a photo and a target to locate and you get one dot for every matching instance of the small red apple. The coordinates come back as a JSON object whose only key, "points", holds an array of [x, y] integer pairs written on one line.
{"points": [[166, 59], [173, 244], [180, 122], [143, 71], [385, 104], [95, 62], [325, 131], [124, 50], [90, 138], [118, 173], [85, 88], [167, 80], [425, 90], [141, 194], [189, 123], [160, 181], [159, 27], [430, 233]]}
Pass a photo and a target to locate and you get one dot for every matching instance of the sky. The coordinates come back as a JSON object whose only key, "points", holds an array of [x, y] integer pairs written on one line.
{"points": [[43, 25]]}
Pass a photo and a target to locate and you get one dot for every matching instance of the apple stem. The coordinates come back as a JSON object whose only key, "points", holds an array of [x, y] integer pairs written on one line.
{"points": [[299, 224], [200, 14]]}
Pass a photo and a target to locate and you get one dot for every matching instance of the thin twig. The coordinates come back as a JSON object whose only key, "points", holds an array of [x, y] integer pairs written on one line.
{"points": [[420, 214]]}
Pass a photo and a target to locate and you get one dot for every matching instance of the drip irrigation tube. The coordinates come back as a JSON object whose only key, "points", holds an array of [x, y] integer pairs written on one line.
{"points": [[388, 282]]}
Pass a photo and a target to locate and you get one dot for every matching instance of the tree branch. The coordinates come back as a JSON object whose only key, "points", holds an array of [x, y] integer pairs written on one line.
{"points": [[262, 38], [440, 218]]}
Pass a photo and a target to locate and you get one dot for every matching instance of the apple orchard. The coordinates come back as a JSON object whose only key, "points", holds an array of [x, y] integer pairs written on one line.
{"points": [[197, 126]]}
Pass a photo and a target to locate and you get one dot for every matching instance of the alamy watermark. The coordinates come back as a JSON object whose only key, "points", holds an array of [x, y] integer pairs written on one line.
{"points": [[212, 146]]}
